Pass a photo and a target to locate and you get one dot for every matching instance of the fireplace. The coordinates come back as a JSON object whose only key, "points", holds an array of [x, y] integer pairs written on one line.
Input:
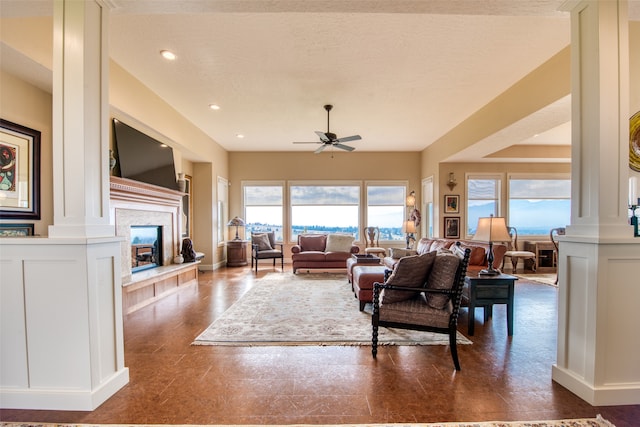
{"points": [[146, 247], [139, 206]]}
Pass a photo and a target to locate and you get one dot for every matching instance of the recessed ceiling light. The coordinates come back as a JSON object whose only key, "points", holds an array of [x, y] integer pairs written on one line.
{"points": [[240, 135], [166, 54], [214, 106]]}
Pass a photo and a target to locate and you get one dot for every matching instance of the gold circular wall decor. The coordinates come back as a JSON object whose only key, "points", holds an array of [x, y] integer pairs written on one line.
{"points": [[634, 142]]}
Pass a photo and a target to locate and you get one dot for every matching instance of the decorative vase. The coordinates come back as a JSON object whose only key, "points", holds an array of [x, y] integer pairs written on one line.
{"points": [[182, 184], [112, 160], [179, 259]]}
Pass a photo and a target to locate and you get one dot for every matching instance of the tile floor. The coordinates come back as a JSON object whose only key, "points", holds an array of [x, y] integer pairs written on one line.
{"points": [[172, 382]]}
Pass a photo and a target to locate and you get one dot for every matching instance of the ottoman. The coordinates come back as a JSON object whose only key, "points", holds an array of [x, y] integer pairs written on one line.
{"points": [[360, 259], [364, 276]]}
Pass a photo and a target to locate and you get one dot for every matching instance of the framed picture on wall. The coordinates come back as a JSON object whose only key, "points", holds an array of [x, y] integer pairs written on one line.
{"points": [[19, 171], [451, 204], [452, 227], [16, 230]]}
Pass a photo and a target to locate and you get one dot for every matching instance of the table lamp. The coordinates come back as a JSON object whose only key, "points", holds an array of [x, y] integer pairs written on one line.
{"points": [[491, 229], [409, 228], [236, 222]]}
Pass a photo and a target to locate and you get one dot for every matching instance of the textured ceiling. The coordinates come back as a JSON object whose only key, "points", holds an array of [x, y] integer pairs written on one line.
{"points": [[399, 73]]}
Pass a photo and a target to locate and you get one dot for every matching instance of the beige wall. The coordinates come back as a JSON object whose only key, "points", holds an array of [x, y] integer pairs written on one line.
{"points": [[26, 105], [299, 166], [196, 154]]}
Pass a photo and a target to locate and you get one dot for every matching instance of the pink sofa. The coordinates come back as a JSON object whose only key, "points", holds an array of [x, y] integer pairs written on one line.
{"points": [[322, 251]]}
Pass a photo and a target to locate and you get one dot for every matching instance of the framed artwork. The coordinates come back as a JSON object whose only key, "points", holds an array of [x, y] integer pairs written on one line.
{"points": [[452, 227], [187, 207], [16, 230], [451, 204], [634, 142], [19, 171]]}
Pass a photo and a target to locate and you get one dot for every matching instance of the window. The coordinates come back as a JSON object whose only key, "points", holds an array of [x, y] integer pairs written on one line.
{"points": [[385, 210], [427, 197], [538, 204], [263, 208], [317, 208], [482, 199]]}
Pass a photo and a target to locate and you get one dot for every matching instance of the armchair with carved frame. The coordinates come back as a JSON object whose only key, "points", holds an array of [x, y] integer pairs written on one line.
{"points": [[432, 304]]}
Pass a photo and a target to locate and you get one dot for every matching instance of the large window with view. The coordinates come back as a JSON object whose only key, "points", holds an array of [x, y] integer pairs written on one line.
{"points": [[385, 210], [329, 208], [483, 194], [263, 208], [538, 204]]}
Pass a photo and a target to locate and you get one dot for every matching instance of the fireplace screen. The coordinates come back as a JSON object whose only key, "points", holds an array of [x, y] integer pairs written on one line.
{"points": [[146, 247]]}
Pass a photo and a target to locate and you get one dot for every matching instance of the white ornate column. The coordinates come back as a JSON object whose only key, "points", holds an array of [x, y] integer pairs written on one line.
{"points": [[61, 331], [599, 284]]}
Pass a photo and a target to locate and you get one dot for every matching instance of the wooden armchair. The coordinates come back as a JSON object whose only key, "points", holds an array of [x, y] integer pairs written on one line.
{"points": [[425, 299], [264, 246], [372, 242], [514, 254]]}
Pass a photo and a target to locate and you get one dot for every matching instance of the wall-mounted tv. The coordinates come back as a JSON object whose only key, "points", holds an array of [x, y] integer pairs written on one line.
{"points": [[143, 158]]}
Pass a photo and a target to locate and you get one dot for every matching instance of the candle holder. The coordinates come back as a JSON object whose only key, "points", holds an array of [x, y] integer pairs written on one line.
{"points": [[634, 218]]}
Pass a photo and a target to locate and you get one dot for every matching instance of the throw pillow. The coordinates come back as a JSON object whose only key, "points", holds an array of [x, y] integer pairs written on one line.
{"points": [[411, 272], [339, 243], [397, 253], [442, 276], [262, 240], [312, 242]]}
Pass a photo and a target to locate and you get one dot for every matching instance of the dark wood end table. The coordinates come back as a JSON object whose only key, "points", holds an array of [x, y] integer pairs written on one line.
{"points": [[484, 291], [237, 253]]}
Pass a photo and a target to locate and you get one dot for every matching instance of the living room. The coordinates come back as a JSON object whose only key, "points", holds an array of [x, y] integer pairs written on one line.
{"points": [[210, 166]]}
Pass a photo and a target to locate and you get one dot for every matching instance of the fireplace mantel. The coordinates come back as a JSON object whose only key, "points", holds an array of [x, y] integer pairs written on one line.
{"points": [[129, 190]]}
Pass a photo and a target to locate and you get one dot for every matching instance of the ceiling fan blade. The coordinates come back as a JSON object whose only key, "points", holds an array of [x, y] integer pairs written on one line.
{"points": [[349, 138], [319, 150], [307, 142], [323, 136], [344, 147]]}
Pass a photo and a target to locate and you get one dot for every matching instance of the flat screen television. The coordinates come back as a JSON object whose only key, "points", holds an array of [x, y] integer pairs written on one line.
{"points": [[143, 158]]}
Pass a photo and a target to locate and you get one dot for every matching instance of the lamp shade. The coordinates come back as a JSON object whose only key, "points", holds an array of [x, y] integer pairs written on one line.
{"points": [[409, 227], [236, 222], [492, 229]]}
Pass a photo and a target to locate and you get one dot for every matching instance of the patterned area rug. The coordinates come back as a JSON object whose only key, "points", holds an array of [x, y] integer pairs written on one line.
{"points": [[305, 309], [547, 279], [584, 422]]}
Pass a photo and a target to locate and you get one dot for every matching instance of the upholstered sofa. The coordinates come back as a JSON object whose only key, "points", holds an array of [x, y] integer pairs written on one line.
{"points": [[477, 259], [322, 251]]}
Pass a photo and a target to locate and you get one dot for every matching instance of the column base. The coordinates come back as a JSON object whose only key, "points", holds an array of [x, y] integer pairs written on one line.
{"points": [[609, 395]]}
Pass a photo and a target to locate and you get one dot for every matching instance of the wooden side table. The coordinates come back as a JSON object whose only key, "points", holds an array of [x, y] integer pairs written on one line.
{"points": [[237, 253], [484, 291]]}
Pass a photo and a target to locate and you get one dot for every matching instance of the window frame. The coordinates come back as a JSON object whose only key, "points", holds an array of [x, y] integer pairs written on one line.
{"points": [[365, 205], [533, 176], [282, 185], [499, 178], [323, 183]]}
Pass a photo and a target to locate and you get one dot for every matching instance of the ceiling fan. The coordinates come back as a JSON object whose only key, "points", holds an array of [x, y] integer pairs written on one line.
{"points": [[328, 139]]}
